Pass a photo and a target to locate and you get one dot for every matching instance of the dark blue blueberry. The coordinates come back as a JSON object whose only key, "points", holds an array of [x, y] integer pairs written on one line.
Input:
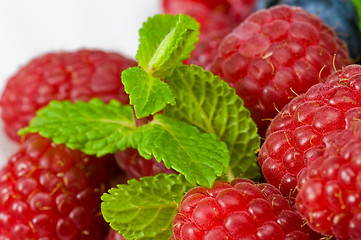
{"points": [[340, 15]]}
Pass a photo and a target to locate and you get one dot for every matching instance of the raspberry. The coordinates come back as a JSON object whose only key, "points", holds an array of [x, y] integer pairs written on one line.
{"points": [[274, 54], [207, 48], [330, 188], [230, 12], [79, 75], [134, 165], [48, 191], [297, 135], [217, 18], [340, 15], [113, 235], [239, 210]]}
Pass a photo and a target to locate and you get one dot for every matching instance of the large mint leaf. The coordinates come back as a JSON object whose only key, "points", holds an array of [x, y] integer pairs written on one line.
{"points": [[145, 209], [93, 127], [147, 94], [165, 41], [208, 103], [182, 147]]}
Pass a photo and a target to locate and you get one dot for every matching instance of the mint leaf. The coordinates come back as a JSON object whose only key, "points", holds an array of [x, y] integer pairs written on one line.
{"points": [[94, 127], [207, 102], [165, 41], [199, 156], [145, 209], [148, 94]]}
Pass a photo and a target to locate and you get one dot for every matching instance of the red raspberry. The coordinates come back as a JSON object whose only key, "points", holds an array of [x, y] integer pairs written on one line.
{"points": [[230, 12], [239, 210], [330, 189], [274, 54], [48, 191], [297, 135], [207, 48], [216, 17], [113, 235], [134, 165], [79, 75]]}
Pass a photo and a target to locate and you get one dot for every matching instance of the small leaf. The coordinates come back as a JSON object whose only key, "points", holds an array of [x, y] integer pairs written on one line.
{"points": [[93, 127], [165, 41], [205, 101], [148, 94], [145, 209], [199, 156]]}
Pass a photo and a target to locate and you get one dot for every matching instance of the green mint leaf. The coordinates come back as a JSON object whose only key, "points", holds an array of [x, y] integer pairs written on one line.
{"points": [[182, 147], [145, 209], [165, 41], [147, 94], [93, 127], [207, 102]]}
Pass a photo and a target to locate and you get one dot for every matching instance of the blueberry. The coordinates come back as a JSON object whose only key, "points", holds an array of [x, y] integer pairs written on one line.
{"points": [[340, 15]]}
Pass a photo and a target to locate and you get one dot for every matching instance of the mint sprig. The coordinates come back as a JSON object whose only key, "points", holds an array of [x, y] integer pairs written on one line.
{"points": [[98, 128], [182, 147], [93, 127], [147, 94], [207, 102], [165, 41], [144, 209]]}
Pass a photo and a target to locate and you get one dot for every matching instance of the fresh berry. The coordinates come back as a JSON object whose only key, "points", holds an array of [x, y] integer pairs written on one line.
{"points": [[207, 49], [230, 12], [330, 188], [340, 15], [79, 75], [48, 191], [216, 17], [301, 130], [134, 165], [113, 235], [275, 54], [239, 210]]}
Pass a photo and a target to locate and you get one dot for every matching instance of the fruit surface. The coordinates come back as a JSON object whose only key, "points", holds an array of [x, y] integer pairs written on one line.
{"points": [[113, 235], [300, 132], [134, 165], [79, 75], [217, 18], [330, 188], [276, 54], [48, 191], [231, 11], [239, 210], [340, 15]]}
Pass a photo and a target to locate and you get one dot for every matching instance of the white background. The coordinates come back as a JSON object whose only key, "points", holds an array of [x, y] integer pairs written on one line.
{"points": [[31, 28]]}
